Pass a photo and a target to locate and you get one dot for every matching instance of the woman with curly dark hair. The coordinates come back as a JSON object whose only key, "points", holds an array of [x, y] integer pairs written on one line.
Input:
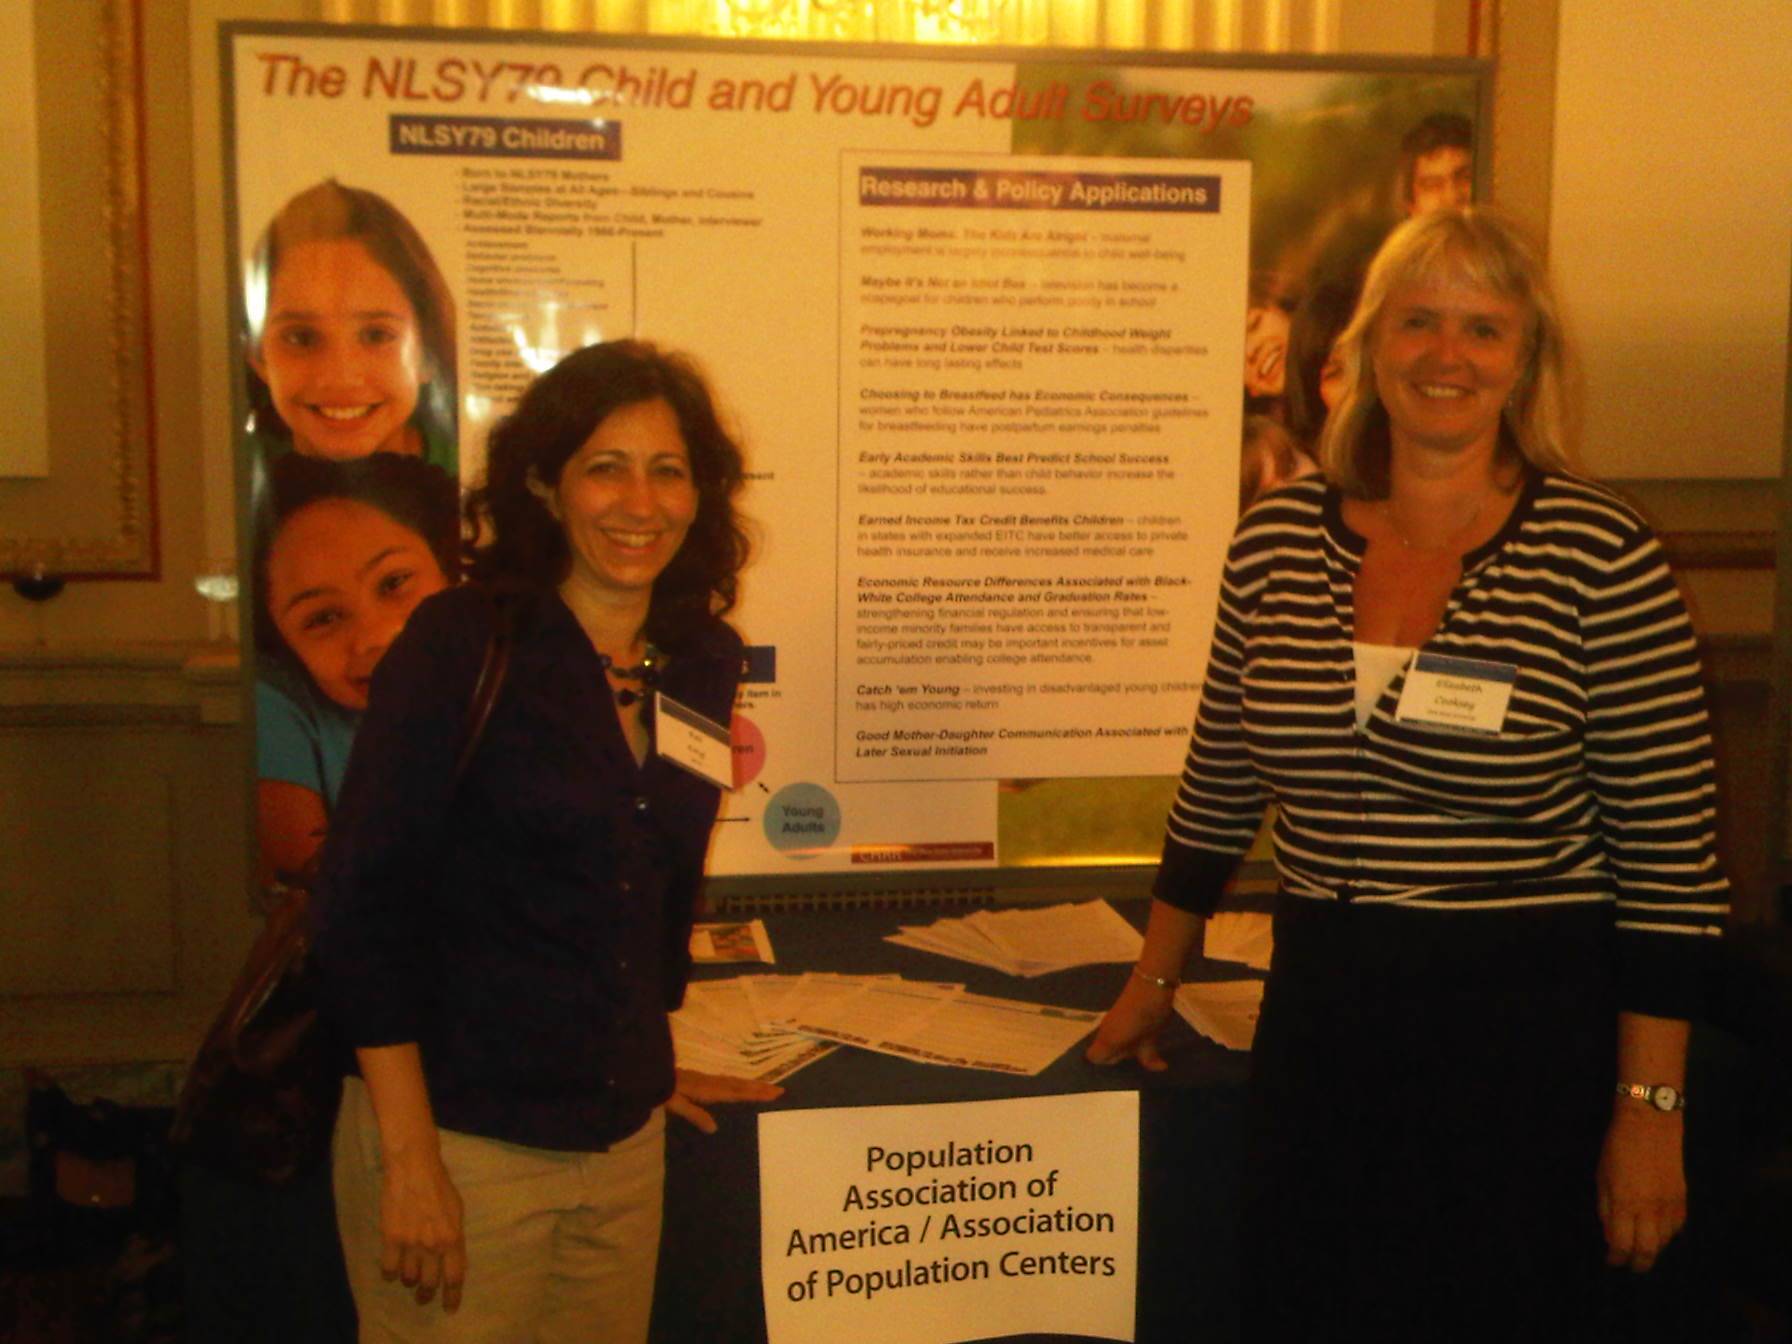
{"points": [[503, 952], [518, 541]]}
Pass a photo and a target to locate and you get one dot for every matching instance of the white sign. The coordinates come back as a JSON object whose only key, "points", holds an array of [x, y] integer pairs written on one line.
{"points": [[937, 1224]]}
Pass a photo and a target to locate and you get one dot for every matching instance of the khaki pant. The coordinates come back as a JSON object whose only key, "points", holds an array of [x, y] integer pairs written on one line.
{"points": [[561, 1247]]}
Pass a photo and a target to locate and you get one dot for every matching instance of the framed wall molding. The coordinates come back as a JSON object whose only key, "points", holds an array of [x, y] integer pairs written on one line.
{"points": [[24, 448], [94, 515]]}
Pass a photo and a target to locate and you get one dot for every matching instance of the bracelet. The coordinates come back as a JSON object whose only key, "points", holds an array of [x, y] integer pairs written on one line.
{"points": [[1152, 979]]}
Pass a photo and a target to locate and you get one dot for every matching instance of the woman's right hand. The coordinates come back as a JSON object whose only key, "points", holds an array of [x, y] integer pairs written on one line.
{"points": [[421, 1240], [1131, 1026]]}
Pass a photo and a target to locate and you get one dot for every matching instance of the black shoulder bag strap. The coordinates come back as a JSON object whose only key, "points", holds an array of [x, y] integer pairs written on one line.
{"points": [[490, 682], [240, 1038]]}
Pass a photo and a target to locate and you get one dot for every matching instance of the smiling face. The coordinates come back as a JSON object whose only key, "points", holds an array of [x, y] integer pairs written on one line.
{"points": [[340, 351], [1444, 179], [1447, 354], [625, 500], [1332, 379], [343, 578], [1265, 350]]}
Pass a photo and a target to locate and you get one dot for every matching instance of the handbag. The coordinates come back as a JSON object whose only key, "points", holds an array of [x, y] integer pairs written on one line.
{"points": [[99, 1172], [259, 1102]]}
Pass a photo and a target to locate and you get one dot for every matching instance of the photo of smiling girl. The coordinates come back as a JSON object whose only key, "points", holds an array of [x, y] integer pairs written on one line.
{"points": [[349, 332], [344, 551]]}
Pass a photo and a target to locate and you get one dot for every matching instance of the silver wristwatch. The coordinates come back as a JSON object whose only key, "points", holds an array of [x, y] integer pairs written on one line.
{"points": [[1659, 1095]]}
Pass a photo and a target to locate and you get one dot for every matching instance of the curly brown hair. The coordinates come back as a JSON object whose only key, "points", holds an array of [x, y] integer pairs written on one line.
{"points": [[516, 542]]}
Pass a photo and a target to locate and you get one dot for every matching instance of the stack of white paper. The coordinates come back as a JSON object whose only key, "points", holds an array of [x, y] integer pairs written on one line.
{"points": [[1224, 1011], [769, 1026], [723, 1028], [1029, 940], [1239, 935]]}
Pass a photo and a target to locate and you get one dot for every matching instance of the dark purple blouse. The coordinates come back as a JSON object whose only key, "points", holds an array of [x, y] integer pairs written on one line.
{"points": [[530, 928]]}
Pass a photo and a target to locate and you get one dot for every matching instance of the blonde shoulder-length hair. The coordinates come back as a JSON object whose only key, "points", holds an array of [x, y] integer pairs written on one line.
{"points": [[1487, 250]]}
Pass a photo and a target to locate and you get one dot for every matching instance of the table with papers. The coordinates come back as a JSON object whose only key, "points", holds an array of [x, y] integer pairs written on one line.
{"points": [[891, 1018]]}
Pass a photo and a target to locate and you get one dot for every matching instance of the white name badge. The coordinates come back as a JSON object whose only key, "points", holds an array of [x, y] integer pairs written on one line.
{"points": [[688, 739], [1463, 693]]}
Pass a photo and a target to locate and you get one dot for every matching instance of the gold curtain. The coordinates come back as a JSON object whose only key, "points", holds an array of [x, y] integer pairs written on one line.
{"points": [[1274, 26]]}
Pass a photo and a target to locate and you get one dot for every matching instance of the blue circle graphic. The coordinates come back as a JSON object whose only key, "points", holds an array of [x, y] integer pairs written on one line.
{"points": [[802, 820]]}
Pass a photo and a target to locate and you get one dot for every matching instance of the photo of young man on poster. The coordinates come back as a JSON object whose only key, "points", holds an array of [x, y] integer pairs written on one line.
{"points": [[1333, 171], [1437, 164]]}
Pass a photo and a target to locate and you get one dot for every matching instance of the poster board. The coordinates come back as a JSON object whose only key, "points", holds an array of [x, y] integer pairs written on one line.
{"points": [[979, 317]]}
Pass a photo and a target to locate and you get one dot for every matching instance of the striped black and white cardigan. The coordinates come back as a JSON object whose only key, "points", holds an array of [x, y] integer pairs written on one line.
{"points": [[1599, 787]]}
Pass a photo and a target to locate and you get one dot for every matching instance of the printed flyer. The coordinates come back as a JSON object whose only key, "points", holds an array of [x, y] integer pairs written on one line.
{"points": [[1043, 375]]}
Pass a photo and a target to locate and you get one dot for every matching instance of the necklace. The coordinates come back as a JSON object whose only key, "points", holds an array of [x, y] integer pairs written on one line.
{"points": [[1444, 545], [647, 672]]}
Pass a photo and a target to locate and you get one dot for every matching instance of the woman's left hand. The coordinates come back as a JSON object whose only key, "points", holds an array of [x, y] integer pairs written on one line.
{"points": [[1642, 1184], [694, 1091]]}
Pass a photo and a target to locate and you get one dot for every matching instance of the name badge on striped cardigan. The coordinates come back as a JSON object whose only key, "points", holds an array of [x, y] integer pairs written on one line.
{"points": [[1468, 694]]}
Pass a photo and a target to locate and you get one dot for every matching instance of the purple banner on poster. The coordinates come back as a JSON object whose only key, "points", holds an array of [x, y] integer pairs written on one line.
{"points": [[1039, 191], [505, 137]]}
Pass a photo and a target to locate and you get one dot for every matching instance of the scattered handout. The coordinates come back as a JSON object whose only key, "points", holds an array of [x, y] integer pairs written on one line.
{"points": [[720, 1030], [768, 1026], [1239, 935], [1030, 940], [1224, 1011], [975, 1031]]}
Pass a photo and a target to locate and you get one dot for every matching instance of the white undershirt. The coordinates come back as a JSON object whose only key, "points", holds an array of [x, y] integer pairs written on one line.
{"points": [[1376, 666]]}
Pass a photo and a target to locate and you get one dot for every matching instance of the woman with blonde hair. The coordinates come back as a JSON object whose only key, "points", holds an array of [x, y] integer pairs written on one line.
{"points": [[1466, 680]]}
